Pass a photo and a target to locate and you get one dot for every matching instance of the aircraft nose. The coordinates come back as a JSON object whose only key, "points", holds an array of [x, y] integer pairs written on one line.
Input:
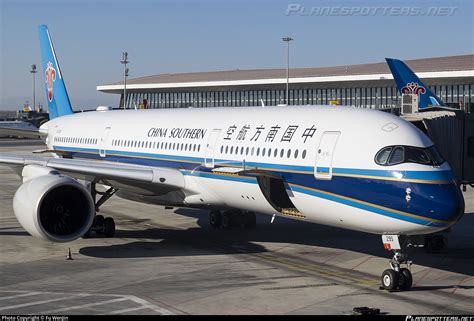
{"points": [[446, 203]]}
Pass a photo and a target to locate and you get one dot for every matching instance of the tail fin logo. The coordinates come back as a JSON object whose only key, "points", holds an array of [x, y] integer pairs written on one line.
{"points": [[413, 88], [50, 74]]}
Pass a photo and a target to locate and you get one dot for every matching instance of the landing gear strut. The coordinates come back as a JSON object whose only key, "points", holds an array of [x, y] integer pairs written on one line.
{"points": [[232, 218], [102, 225], [396, 278]]}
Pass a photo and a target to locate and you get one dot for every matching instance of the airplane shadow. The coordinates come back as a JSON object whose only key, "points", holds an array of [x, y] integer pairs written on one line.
{"points": [[441, 287], [3, 232], [205, 240]]}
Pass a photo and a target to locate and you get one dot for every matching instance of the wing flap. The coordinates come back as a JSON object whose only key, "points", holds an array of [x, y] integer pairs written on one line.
{"points": [[171, 179]]}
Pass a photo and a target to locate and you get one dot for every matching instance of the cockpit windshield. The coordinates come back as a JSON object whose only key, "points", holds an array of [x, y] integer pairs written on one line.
{"points": [[394, 155]]}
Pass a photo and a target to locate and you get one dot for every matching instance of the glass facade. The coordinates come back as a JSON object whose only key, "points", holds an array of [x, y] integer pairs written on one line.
{"points": [[367, 97]]}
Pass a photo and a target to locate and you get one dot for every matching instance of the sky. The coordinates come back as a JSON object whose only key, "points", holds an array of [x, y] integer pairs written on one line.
{"points": [[172, 36]]}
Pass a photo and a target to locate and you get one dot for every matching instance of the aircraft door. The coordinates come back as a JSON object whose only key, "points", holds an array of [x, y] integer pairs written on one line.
{"points": [[210, 148], [324, 155], [103, 142]]}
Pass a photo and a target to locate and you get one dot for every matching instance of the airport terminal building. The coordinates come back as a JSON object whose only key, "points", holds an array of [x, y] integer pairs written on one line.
{"points": [[364, 85]]}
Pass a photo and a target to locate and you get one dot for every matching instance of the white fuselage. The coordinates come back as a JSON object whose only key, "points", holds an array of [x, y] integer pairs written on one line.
{"points": [[320, 157]]}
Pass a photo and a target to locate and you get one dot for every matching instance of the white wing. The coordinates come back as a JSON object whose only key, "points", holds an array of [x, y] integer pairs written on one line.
{"points": [[162, 179]]}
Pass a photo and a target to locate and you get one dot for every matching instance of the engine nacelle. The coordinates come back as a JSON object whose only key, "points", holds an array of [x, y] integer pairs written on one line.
{"points": [[54, 207]]}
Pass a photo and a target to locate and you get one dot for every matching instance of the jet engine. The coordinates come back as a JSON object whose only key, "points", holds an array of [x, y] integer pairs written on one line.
{"points": [[54, 207]]}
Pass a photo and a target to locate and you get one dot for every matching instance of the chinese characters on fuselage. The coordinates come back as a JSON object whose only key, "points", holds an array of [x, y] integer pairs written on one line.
{"points": [[269, 134], [262, 133]]}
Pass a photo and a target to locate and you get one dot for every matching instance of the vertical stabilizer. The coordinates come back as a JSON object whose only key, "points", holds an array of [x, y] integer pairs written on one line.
{"points": [[409, 83], [56, 93]]}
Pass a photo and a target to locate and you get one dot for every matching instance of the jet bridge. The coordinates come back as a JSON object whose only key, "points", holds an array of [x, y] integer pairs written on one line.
{"points": [[452, 131]]}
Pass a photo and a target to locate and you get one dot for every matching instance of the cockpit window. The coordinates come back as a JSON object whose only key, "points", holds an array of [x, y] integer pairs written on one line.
{"points": [[383, 155], [416, 155], [393, 155], [435, 155], [397, 156]]}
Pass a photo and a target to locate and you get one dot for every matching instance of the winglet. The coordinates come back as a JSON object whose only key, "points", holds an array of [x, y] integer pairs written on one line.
{"points": [[408, 82], [56, 93]]}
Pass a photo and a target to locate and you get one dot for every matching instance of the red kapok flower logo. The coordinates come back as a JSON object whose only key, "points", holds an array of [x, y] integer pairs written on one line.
{"points": [[50, 74], [413, 88]]}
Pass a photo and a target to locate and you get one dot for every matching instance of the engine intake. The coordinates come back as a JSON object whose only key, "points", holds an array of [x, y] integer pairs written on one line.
{"points": [[54, 207]]}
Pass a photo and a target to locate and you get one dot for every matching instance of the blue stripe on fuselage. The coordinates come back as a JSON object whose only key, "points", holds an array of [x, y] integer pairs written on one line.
{"points": [[189, 162], [371, 189]]}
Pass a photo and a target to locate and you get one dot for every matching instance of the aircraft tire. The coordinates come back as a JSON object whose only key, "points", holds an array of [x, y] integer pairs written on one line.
{"points": [[215, 219], [390, 279], [227, 221], [250, 220], [406, 280], [109, 227]]}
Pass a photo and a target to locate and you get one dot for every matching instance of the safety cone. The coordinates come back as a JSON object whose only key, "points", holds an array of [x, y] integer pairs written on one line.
{"points": [[69, 255]]}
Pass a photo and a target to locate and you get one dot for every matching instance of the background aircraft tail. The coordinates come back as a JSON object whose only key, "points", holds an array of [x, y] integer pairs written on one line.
{"points": [[409, 83], [56, 93]]}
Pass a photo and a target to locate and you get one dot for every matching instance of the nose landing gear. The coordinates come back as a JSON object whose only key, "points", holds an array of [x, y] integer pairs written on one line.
{"points": [[396, 278]]}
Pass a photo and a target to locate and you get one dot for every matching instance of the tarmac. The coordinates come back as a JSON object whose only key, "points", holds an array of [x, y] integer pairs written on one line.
{"points": [[172, 262]]}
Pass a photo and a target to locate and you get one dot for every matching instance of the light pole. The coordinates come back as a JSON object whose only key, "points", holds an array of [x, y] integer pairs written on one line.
{"points": [[287, 40], [33, 72], [125, 61]]}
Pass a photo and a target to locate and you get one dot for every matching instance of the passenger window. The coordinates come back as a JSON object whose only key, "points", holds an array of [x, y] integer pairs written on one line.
{"points": [[282, 152], [288, 154], [296, 153], [304, 154]]}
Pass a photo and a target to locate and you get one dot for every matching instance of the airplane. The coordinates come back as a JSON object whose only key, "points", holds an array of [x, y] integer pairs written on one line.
{"points": [[16, 124], [409, 83], [347, 167]]}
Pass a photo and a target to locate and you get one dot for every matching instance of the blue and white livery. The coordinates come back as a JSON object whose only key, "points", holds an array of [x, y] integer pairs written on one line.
{"points": [[352, 168], [409, 83]]}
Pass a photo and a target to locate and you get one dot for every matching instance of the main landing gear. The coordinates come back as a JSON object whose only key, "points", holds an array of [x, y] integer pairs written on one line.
{"points": [[396, 278], [231, 219], [102, 225]]}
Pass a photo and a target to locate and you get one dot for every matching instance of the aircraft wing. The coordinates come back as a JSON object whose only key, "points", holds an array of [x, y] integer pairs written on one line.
{"points": [[163, 179], [22, 132]]}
